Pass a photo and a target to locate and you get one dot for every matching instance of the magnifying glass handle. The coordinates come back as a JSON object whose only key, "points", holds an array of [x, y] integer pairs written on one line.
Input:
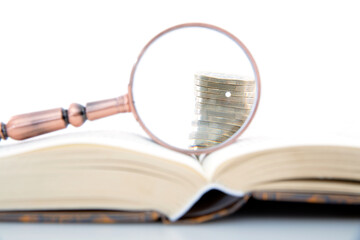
{"points": [[37, 123]]}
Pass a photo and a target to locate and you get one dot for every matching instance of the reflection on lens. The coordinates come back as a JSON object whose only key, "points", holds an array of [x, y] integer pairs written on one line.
{"points": [[223, 104]]}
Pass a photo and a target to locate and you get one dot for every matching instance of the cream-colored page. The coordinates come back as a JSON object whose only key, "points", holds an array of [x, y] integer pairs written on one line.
{"points": [[255, 144], [119, 139], [124, 141]]}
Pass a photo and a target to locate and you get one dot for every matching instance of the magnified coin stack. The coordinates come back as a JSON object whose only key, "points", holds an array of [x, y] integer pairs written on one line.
{"points": [[223, 102]]}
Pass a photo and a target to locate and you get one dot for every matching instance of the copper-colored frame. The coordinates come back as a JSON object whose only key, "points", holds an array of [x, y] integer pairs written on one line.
{"points": [[239, 132]]}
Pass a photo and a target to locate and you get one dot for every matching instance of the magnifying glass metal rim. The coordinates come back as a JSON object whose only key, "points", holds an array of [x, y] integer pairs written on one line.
{"points": [[33, 124], [218, 146]]}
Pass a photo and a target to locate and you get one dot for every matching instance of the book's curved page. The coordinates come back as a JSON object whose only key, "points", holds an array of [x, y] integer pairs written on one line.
{"points": [[316, 165], [121, 139], [258, 143], [98, 170]]}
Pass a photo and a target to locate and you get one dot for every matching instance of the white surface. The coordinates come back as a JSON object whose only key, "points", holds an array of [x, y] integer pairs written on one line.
{"points": [[234, 228], [53, 53]]}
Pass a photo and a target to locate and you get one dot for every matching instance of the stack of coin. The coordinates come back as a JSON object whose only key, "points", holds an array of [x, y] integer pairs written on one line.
{"points": [[223, 103]]}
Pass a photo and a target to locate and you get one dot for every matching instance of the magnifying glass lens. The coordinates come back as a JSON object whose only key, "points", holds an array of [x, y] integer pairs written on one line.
{"points": [[194, 87]]}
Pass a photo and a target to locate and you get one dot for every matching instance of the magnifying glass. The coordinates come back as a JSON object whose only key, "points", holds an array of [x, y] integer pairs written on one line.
{"points": [[194, 89]]}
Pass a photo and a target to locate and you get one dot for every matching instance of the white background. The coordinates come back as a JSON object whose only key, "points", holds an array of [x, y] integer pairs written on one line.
{"points": [[53, 53]]}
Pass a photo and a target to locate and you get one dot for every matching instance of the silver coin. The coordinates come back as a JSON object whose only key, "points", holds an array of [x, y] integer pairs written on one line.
{"points": [[224, 92], [224, 78], [223, 109], [226, 98], [223, 103], [237, 116], [200, 146], [219, 120], [223, 126], [224, 86], [227, 82], [196, 147], [208, 136], [214, 131], [202, 143]]}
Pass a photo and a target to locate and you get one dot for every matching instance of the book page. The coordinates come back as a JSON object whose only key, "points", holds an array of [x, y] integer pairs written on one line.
{"points": [[252, 144], [120, 139]]}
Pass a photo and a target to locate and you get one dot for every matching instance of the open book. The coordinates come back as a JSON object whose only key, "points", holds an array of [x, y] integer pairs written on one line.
{"points": [[110, 177]]}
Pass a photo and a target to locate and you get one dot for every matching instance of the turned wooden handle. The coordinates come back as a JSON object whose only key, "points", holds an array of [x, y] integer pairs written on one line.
{"points": [[37, 123]]}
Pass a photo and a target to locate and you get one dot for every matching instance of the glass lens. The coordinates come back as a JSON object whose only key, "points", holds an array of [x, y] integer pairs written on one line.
{"points": [[194, 87]]}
